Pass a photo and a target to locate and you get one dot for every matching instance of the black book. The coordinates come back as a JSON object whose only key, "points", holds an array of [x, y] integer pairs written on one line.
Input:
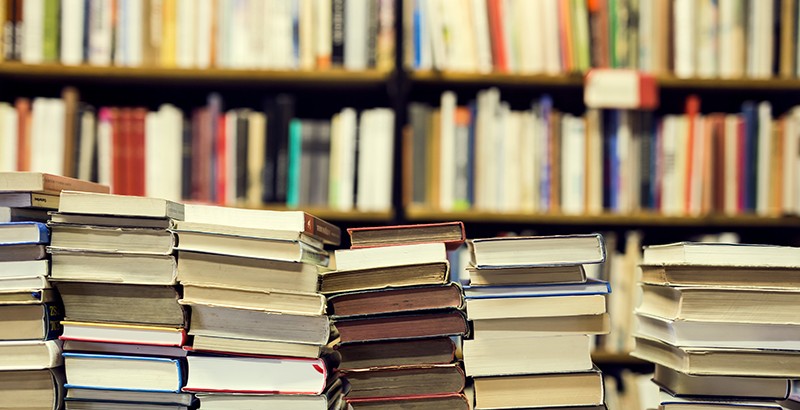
{"points": [[372, 33], [323, 160], [242, 133], [337, 33], [276, 162], [420, 115]]}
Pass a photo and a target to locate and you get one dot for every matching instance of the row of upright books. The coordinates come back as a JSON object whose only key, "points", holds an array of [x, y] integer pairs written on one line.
{"points": [[484, 155], [212, 155], [685, 38], [242, 34]]}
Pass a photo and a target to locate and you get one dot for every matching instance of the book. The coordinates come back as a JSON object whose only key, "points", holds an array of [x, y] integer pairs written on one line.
{"points": [[569, 390], [722, 254], [114, 303], [122, 333], [719, 362], [405, 381], [384, 277], [36, 388], [266, 300], [96, 395], [203, 343], [110, 221], [526, 275], [124, 349], [22, 214], [331, 398], [537, 250], [681, 384], [250, 273], [46, 183], [252, 374], [382, 257], [30, 354], [542, 326], [108, 405], [25, 283], [406, 326], [227, 322], [24, 268], [152, 374], [398, 300], [23, 233], [287, 251], [712, 403], [720, 276], [119, 205], [522, 354], [112, 267], [293, 221], [29, 200], [590, 287], [24, 252], [451, 233], [111, 239], [719, 304], [394, 353], [553, 306], [253, 233], [453, 401], [31, 322], [30, 296]]}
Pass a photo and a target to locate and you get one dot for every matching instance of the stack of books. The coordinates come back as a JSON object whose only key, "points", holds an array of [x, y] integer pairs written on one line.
{"points": [[533, 315], [31, 369], [258, 322], [719, 322], [113, 264], [397, 313]]}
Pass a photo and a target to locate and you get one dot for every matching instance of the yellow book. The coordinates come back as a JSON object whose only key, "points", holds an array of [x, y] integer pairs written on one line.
{"points": [[168, 41]]}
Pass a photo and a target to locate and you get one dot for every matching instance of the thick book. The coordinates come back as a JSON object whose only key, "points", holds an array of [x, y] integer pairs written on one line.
{"points": [[287, 251], [450, 401], [746, 305], [518, 251], [203, 343], [30, 354], [331, 399], [405, 381], [722, 254], [249, 232], [31, 200], [24, 268], [31, 283], [599, 324], [119, 205], [128, 396], [720, 362], [590, 287], [406, 326], [669, 402], [720, 276], [385, 277], [381, 257], [8, 214], [290, 221], [16, 233], [124, 349], [250, 273], [437, 350], [681, 384], [110, 239], [257, 374], [24, 252], [451, 233], [539, 275], [123, 333], [524, 354], [37, 389], [114, 303], [396, 300], [30, 322], [251, 324], [110, 221], [45, 183], [112, 267], [96, 371], [569, 390], [527, 307], [267, 300]]}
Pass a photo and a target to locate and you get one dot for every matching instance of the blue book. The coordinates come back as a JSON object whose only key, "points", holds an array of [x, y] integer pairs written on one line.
{"points": [[417, 32], [590, 287], [19, 233], [546, 109], [750, 168], [123, 373]]}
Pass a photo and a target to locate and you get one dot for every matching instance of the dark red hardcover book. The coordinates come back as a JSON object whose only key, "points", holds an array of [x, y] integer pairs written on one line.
{"points": [[451, 233], [412, 326], [450, 401], [405, 381]]}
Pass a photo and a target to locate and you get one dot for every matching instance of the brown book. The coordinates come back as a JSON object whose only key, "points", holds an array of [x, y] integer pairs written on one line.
{"points": [[451, 233], [405, 381], [434, 159], [447, 401], [788, 12], [46, 183], [396, 300], [555, 162], [527, 275], [439, 350], [384, 277], [402, 327], [71, 101], [38, 389], [23, 107], [720, 276]]}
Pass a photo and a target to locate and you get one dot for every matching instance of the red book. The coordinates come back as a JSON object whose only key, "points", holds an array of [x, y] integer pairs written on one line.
{"points": [[495, 11], [692, 111], [741, 172], [138, 117], [221, 163], [451, 233]]}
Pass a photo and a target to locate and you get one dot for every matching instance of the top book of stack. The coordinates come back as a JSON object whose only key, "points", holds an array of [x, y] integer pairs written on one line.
{"points": [[46, 183], [91, 203], [537, 251]]}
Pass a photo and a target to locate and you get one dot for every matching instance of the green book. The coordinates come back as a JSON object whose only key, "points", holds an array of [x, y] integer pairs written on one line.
{"points": [[295, 156], [50, 39]]}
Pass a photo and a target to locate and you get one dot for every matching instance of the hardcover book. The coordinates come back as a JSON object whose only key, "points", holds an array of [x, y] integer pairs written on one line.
{"points": [[451, 233], [521, 251]]}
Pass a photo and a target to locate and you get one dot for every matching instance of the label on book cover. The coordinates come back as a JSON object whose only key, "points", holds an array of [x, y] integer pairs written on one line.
{"points": [[53, 316], [620, 89]]}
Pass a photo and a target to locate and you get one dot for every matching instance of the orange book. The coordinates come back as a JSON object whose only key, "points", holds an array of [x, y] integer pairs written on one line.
{"points": [[565, 32], [168, 34], [434, 164], [555, 162], [776, 172], [23, 107], [692, 111], [71, 101]]}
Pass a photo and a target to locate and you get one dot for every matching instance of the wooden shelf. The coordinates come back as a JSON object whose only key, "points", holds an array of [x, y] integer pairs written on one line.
{"points": [[772, 84], [332, 215], [634, 220], [13, 70], [621, 359]]}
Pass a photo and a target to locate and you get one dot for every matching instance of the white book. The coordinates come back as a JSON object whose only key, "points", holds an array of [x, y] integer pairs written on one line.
{"points": [[255, 33], [105, 146], [186, 41], [45, 133], [790, 150], [222, 32], [282, 25], [366, 162], [434, 30], [231, 142], [795, 161], [528, 171], [135, 35], [764, 181], [552, 48], [498, 136], [347, 159], [8, 137], [90, 203], [203, 33], [685, 38], [120, 36], [594, 174], [721, 254], [172, 145], [766, 35], [573, 162], [33, 32], [511, 159], [462, 54], [647, 36], [681, 164], [323, 32], [447, 159], [384, 155], [256, 140], [624, 142], [100, 32], [152, 150], [307, 35], [698, 158], [706, 39], [726, 32], [527, 355], [386, 256], [480, 29], [731, 164], [356, 17], [510, 38], [482, 126], [670, 174], [72, 15], [425, 36]]}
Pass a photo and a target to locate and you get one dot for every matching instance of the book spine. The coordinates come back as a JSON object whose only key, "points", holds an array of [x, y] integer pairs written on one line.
{"points": [[295, 152], [53, 316], [285, 104], [242, 142], [337, 33]]}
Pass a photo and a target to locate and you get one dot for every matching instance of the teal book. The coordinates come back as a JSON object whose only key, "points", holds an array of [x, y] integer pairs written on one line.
{"points": [[295, 157]]}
